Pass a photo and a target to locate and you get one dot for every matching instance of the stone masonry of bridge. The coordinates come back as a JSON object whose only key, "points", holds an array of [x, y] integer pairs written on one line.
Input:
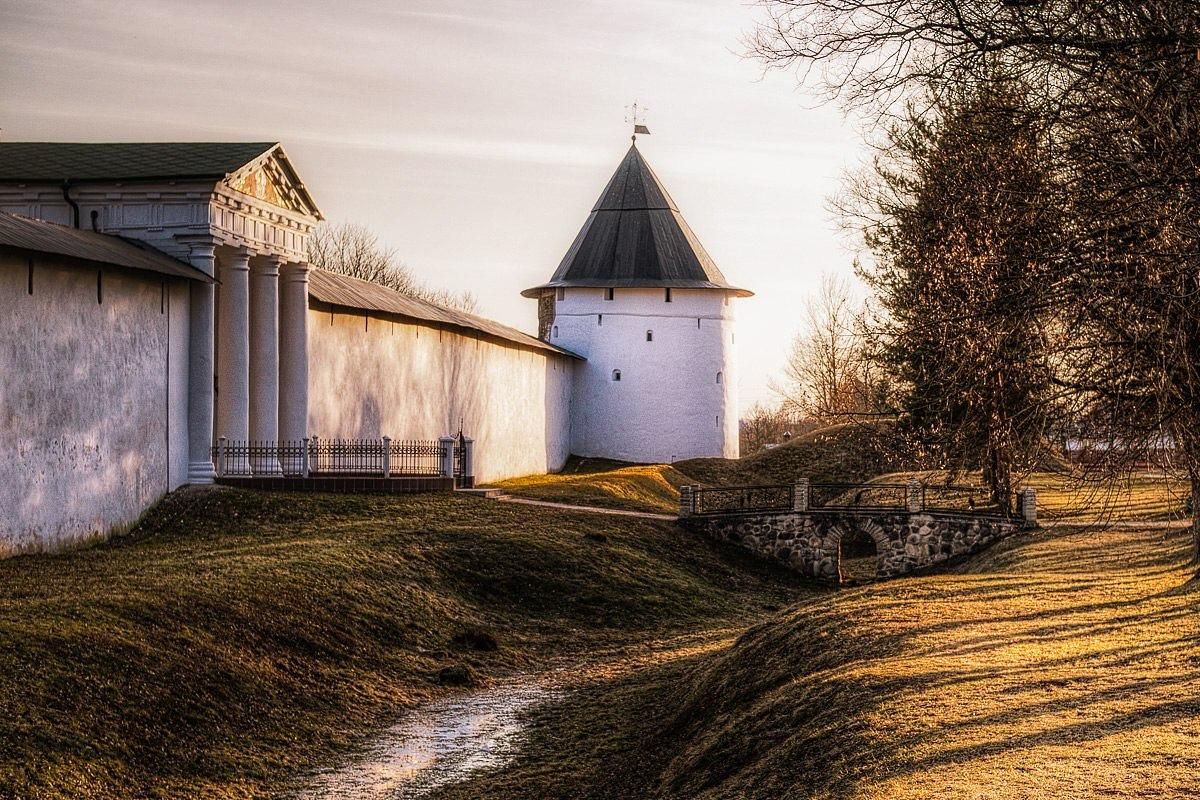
{"points": [[906, 540], [808, 542]]}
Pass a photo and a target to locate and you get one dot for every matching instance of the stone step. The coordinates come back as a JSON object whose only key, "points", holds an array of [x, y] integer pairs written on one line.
{"points": [[481, 492]]}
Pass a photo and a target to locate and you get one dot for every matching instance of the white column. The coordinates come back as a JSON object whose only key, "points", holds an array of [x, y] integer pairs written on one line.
{"points": [[293, 352], [200, 369], [233, 348], [264, 359]]}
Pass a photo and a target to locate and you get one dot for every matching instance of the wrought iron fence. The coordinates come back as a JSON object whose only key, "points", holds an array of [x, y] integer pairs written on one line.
{"points": [[418, 457], [858, 495], [743, 498], [333, 457], [977, 499]]}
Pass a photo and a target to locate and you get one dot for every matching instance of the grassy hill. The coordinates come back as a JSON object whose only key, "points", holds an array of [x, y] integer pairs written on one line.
{"points": [[235, 638], [846, 453], [1054, 666], [604, 484]]}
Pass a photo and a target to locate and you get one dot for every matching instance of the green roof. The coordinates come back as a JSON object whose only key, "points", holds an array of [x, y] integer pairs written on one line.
{"points": [[37, 162]]}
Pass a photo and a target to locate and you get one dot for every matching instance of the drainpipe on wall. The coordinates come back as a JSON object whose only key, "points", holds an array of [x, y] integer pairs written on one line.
{"points": [[66, 193]]}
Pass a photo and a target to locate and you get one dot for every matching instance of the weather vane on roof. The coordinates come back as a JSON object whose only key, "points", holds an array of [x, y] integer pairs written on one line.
{"points": [[636, 115]]}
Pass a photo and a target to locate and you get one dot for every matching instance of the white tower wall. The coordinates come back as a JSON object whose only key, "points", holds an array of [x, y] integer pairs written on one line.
{"points": [[670, 403]]}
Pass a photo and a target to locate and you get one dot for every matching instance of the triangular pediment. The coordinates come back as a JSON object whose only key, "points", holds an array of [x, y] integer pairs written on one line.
{"points": [[271, 179]]}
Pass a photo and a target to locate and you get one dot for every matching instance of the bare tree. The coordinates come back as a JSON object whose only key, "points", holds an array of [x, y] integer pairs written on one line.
{"points": [[828, 376], [351, 249], [763, 425]]}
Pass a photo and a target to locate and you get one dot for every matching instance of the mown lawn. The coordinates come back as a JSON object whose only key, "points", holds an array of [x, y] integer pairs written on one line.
{"points": [[236, 639], [1054, 666]]}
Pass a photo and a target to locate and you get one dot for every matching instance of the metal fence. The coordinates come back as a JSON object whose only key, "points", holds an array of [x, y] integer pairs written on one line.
{"points": [[959, 498], [858, 496], [742, 498], [342, 457]]}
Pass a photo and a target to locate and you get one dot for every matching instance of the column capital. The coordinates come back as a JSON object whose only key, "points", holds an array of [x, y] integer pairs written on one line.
{"points": [[266, 265]]}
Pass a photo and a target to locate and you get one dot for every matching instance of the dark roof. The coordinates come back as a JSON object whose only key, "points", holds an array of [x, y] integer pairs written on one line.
{"points": [[28, 162], [341, 290], [635, 236], [36, 236]]}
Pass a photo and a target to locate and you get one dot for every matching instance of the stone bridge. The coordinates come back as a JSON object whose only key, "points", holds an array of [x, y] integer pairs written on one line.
{"points": [[783, 523]]}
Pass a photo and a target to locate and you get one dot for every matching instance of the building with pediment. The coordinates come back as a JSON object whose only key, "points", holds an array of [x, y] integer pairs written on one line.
{"points": [[162, 322]]}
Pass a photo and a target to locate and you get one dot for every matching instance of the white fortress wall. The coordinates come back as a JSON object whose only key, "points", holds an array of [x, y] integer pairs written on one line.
{"points": [[668, 404], [93, 400], [371, 376]]}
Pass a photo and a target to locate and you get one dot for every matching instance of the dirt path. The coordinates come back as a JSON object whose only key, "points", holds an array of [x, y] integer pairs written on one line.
{"points": [[447, 740]]}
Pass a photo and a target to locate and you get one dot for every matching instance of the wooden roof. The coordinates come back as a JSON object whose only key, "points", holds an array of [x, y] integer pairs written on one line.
{"points": [[36, 236], [346, 292], [636, 237]]}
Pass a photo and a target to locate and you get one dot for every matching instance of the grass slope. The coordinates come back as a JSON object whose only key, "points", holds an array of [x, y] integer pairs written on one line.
{"points": [[847, 453], [1060, 666], [236, 638], [604, 484]]}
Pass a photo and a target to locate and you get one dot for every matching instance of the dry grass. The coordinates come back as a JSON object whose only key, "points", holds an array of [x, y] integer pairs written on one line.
{"points": [[236, 638], [605, 484], [1080, 498], [1057, 666]]}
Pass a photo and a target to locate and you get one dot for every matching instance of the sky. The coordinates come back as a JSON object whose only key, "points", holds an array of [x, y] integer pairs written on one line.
{"points": [[473, 137]]}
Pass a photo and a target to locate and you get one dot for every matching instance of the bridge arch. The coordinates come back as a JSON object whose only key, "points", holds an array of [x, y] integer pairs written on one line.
{"points": [[852, 530]]}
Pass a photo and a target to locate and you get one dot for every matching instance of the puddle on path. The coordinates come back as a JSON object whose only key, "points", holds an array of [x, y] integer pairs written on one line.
{"points": [[434, 745]]}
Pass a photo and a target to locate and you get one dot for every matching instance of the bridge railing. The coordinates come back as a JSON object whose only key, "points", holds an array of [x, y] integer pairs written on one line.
{"points": [[802, 496], [872, 496], [735, 499]]}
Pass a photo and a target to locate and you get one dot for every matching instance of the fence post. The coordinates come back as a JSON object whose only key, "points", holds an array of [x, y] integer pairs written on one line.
{"points": [[304, 458], [469, 460], [447, 445], [800, 495], [221, 445], [387, 456], [686, 507], [913, 500], [1027, 499], [314, 464]]}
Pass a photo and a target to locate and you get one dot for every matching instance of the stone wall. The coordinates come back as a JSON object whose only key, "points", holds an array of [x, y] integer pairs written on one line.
{"points": [[93, 401], [372, 376], [809, 542]]}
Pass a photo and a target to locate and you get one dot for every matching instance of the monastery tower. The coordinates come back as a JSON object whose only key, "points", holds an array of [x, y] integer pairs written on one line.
{"points": [[640, 299]]}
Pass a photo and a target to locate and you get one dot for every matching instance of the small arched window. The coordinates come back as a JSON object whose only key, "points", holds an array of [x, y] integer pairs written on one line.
{"points": [[649, 336], [560, 294], [718, 379], [599, 319], [555, 331], [616, 374], [609, 294]]}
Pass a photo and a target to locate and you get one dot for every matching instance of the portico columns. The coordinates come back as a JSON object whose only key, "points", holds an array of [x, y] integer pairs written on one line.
{"points": [[264, 359], [200, 368], [233, 356], [293, 352]]}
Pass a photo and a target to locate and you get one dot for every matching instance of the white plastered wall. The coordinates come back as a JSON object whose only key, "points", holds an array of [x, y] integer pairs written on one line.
{"points": [[370, 376], [668, 405], [93, 401]]}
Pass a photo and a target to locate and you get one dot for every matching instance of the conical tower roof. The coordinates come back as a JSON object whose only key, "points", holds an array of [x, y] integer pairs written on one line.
{"points": [[636, 237]]}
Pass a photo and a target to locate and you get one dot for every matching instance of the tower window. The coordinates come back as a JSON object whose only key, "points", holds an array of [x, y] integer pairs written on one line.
{"points": [[649, 336], [99, 286], [718, 379], [599, 319], [560, 294], [610, 293], [29, 283], [667, 295], [697, 323], [616, 374], [555, 331]]}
